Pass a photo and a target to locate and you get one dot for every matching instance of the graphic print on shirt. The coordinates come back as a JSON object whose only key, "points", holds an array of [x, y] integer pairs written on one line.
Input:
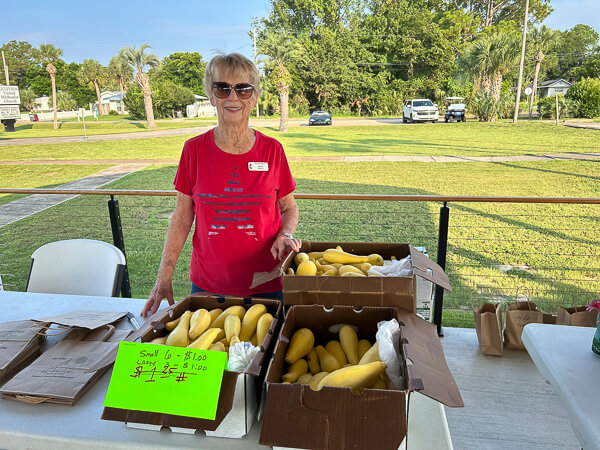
{"points": [[231, 212]]}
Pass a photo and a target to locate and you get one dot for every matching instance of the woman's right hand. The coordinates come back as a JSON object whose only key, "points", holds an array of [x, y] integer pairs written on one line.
{"points": [[162, 289]]}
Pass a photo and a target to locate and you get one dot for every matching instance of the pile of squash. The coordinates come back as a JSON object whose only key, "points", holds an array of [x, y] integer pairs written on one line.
{"points": [[216, 329], [334, 262], [347, 362]]}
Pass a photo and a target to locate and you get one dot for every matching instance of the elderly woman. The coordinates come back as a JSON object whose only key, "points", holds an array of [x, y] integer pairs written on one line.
{"points": [[236, 183]]}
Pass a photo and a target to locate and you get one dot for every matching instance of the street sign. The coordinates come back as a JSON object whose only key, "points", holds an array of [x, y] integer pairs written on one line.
{"points": [[9, 95], [528, 90]]}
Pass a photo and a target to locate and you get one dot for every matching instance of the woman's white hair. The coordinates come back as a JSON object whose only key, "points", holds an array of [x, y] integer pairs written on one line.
{"points": [[234, 65]]}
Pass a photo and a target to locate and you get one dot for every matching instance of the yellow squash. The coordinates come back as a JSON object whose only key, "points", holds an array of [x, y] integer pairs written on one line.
{"points": [[313, 362], [199, 323], [354, 377], [348, 268], [370, 355], [206, 339], [307, 268], [300, 257], [214, 313], [158, 340], [335, 348], [296, 370], [220, 320], [250, 321], [349, 342], [363, 347], [336, 256], [300, 345], [314, 381], [327, 361], [172, 324], [376, 260], [232, 326], [262, 327], [179, 336]]}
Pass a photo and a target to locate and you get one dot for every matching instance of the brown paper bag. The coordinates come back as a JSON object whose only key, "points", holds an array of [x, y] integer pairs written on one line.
{"points": [[576, 316], [19, 344], [64, 373], [84, 319], [519, 314], [488, 325]]}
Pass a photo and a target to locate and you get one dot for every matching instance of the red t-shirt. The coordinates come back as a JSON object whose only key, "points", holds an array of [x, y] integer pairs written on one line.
{"points": [[237, 211]]}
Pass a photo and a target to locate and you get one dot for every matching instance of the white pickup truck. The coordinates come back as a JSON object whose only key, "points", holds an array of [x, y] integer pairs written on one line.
{"points": [[420, 110]]}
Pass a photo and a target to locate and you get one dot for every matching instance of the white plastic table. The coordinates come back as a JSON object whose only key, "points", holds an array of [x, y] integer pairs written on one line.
{"points": [[75, 427], [564, 357]]}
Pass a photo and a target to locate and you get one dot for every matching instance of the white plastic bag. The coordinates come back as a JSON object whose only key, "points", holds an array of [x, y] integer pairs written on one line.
{"points": [[241, 355], [388, 340], [399, 268]]}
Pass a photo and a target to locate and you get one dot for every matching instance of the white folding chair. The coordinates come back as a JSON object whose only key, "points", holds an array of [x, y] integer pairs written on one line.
{"points": [[77, 267]]}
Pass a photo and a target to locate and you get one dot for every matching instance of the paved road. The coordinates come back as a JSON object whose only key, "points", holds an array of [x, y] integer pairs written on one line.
{"points": [[190, 131]]}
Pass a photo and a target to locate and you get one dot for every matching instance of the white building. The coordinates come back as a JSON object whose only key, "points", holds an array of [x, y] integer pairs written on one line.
{"points": [[200, 108], [550, 87]]}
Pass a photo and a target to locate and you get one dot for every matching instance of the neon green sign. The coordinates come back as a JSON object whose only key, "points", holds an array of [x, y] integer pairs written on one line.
{"points": [[164, 379]]}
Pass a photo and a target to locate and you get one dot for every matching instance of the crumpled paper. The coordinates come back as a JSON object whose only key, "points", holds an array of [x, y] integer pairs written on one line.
{"points": [[388, 340], [399, 268], [241, 355]]}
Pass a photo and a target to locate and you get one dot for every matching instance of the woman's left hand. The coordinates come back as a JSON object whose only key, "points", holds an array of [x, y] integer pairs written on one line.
{"points": [[284, 243]]}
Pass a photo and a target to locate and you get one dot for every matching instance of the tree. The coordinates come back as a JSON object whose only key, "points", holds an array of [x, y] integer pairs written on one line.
{"points": [[49, 54], [280, 50], [573, 47], [67, 80], [65, 101], [185, 69], [138, 60], [167, 97], [541, 40], [586, 93], [488, 59], [28, 99], [93, 74], [119, 70], [20, 57]]}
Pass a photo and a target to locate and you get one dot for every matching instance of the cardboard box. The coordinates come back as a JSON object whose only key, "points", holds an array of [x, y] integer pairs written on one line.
{"points": [[358, 291], [238, 401], [335, 418]]}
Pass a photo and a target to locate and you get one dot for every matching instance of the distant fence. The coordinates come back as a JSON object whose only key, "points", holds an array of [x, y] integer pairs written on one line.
{"points": [[493, 248]]}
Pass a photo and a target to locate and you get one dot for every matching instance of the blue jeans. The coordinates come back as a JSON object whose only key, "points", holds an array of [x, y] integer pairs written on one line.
{"points": [[274, 295]]}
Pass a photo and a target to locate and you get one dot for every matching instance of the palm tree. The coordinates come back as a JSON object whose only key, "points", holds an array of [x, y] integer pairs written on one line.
{"points": [[280, 50], [542, 39], [488, 59], [49, 54], [137, 59], [92, 73], [121, 71]]}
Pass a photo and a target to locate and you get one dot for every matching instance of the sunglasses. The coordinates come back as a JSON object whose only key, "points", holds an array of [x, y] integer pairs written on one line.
{"points": [[243, 90]]}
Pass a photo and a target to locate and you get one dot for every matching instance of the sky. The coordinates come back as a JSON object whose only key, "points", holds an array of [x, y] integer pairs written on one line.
{"points": [[85, 29]]}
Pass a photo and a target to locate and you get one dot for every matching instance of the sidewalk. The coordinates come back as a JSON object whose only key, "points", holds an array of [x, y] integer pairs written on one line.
{"points": [[26, 206]]}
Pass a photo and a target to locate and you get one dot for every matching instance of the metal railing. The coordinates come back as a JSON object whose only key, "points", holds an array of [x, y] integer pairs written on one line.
{"points": [[492, 248]]}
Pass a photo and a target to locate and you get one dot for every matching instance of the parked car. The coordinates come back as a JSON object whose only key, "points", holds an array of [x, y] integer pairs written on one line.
{"points": [[320, 118], [455, 110], [420, 110]]}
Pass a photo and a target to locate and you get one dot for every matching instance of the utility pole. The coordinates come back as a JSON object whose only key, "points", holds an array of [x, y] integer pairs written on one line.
{"points": [[254, 39], [5, 68], [523, 42]]}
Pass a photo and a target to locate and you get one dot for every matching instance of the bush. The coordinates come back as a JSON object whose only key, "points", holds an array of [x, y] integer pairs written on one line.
{"points": [[487, 109], [586, 95], [166, 97], [547, 107], [112, 112]]}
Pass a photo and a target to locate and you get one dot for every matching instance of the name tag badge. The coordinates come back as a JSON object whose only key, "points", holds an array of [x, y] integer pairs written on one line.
{"points": [[258, 166]]}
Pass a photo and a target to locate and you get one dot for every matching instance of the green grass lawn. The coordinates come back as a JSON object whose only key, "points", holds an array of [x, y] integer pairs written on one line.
{"points": [[550, 251], [469, 139], [74, 128], [38, 176]]}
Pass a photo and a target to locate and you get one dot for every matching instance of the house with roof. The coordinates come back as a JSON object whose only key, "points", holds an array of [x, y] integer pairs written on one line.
{"points": [[200, 108], [551, 87], [110, 101]]}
